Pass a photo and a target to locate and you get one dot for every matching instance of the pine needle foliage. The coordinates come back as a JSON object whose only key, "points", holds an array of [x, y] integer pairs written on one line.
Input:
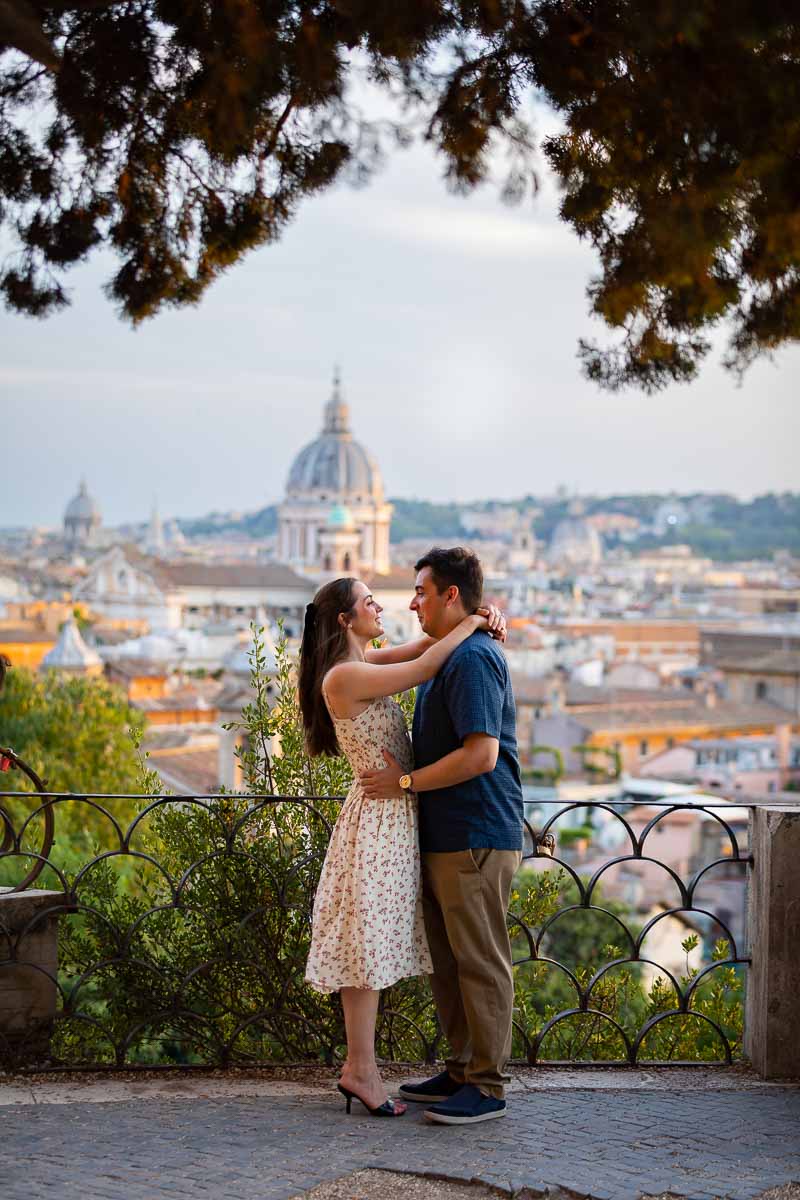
{"points": [[183, 134]]}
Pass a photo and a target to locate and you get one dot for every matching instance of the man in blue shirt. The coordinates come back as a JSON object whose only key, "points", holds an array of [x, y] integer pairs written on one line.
{"points": [[467, 777]]}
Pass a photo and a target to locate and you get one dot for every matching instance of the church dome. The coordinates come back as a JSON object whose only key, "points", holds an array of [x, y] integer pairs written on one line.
{"points": [[82, 507], [575, 542], [334, 466]]}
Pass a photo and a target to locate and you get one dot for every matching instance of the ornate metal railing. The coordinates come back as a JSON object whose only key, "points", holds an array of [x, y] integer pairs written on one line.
{"points": [[184, 922]]}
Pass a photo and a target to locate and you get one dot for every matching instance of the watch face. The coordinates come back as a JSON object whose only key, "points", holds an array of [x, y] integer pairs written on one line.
{"points": [[405, 781]]}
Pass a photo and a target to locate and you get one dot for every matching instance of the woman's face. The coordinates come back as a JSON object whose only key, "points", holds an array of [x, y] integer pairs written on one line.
{"points": [[365, 619]]}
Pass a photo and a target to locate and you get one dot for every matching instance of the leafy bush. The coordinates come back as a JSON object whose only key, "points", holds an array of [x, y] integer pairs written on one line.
{"points": [[80, 735], [582, 941]]}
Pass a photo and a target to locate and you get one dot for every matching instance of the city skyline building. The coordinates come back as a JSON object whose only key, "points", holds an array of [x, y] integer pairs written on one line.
{"points": [[334, 518], [82, 518]]}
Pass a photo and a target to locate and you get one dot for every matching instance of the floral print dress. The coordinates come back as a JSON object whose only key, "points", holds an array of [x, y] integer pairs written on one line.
{"points": [[368, 929]]}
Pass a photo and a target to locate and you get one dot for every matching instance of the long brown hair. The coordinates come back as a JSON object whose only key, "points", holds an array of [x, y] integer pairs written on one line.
{"points": [[324, 644]]}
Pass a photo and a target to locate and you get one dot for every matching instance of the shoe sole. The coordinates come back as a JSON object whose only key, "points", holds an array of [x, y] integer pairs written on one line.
{"points": [[415, 1096], [441, 1119]]}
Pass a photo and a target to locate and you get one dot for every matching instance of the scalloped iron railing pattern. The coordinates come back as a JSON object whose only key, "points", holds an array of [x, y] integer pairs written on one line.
{"points": [[183, 933]]}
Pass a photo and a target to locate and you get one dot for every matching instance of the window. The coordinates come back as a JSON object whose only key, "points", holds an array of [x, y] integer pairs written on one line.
{"points": [[761, 690], [643, 747], [670, 743]]}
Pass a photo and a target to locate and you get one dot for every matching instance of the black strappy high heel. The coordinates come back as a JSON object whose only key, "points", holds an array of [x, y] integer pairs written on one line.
{"points": [[387, 1109]]}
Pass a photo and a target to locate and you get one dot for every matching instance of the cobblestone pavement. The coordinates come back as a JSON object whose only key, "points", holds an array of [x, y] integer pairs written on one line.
{"points": [[611, 1144]]}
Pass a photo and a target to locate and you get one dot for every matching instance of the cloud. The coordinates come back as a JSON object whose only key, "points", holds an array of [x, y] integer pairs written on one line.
{"points": [[479, 233]]}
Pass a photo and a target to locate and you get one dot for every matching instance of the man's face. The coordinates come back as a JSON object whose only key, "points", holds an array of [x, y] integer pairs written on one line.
{"points": [[430, 605]]}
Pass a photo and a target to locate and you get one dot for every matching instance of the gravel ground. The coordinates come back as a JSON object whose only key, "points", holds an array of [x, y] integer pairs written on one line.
{"points": [[390, 1185]]}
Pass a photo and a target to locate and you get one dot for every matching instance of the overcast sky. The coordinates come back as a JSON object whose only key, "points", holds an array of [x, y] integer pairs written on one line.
{"points": [[455, 322]]}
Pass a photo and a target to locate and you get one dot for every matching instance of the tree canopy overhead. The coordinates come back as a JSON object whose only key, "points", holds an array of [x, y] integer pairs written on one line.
{"points": [[182, 133]]}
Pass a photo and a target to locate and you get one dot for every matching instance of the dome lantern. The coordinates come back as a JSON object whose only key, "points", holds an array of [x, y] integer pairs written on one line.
{"points": [[337, 413]]}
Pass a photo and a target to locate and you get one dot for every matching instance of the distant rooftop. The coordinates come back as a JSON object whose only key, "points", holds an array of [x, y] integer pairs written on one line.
{"points": [[725, 714], [256, 575], [773, 662], [21, 633]]}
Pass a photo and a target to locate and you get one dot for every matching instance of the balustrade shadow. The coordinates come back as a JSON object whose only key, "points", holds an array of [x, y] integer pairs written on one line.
{"points": [[184, 925]]}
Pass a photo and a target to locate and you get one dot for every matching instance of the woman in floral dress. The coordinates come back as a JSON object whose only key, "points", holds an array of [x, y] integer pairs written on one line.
{"points": [[368, 929]]}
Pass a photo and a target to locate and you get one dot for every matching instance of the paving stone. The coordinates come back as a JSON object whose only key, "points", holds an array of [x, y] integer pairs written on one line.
{"points": [[612, 1145]]}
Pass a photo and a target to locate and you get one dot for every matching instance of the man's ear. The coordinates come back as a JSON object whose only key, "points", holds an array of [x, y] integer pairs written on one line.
{"points": [[452, 595]]}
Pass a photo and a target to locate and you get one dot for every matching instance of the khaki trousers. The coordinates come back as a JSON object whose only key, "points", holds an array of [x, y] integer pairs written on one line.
{"points": [[465, 897]]}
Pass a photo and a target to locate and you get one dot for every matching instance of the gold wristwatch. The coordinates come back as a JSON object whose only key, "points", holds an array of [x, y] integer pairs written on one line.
{"points": [[406, 783]]}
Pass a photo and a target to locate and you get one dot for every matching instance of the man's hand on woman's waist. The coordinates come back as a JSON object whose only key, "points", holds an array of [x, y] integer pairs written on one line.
{"points": [[476, 756]]}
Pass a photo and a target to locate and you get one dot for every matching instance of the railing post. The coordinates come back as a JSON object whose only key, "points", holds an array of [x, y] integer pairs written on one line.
{"points": [[772, 1015], [28, 966]]}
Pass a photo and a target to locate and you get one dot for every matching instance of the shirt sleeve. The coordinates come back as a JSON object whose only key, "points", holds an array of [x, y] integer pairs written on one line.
{"points": [[475, 693]]}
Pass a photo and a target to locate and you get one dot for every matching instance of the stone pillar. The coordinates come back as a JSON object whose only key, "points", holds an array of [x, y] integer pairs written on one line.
{"points": [[772, 1015], [783, 746], [27, 994]]}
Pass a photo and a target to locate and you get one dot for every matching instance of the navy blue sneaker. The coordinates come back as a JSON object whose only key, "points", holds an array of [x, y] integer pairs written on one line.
{"points": [[440, 1087], [466, 1107]]}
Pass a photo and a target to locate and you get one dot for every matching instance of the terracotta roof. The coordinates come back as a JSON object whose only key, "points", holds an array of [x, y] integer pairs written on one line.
{"points": [[397, 579], [233, 698], [21, 634], [723, 715], [774, 662], [660, 629], [255, 575], [530, 689], [168, 737], [580, 694], [191, 771], [538, 689], [108, 636], [136, 668]]}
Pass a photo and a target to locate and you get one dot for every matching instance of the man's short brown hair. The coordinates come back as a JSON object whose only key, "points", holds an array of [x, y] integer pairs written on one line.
{"points": [[455, 567]]}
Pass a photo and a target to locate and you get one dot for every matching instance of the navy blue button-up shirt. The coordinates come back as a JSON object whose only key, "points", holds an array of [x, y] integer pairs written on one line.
{"points": [[471, 694]]}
